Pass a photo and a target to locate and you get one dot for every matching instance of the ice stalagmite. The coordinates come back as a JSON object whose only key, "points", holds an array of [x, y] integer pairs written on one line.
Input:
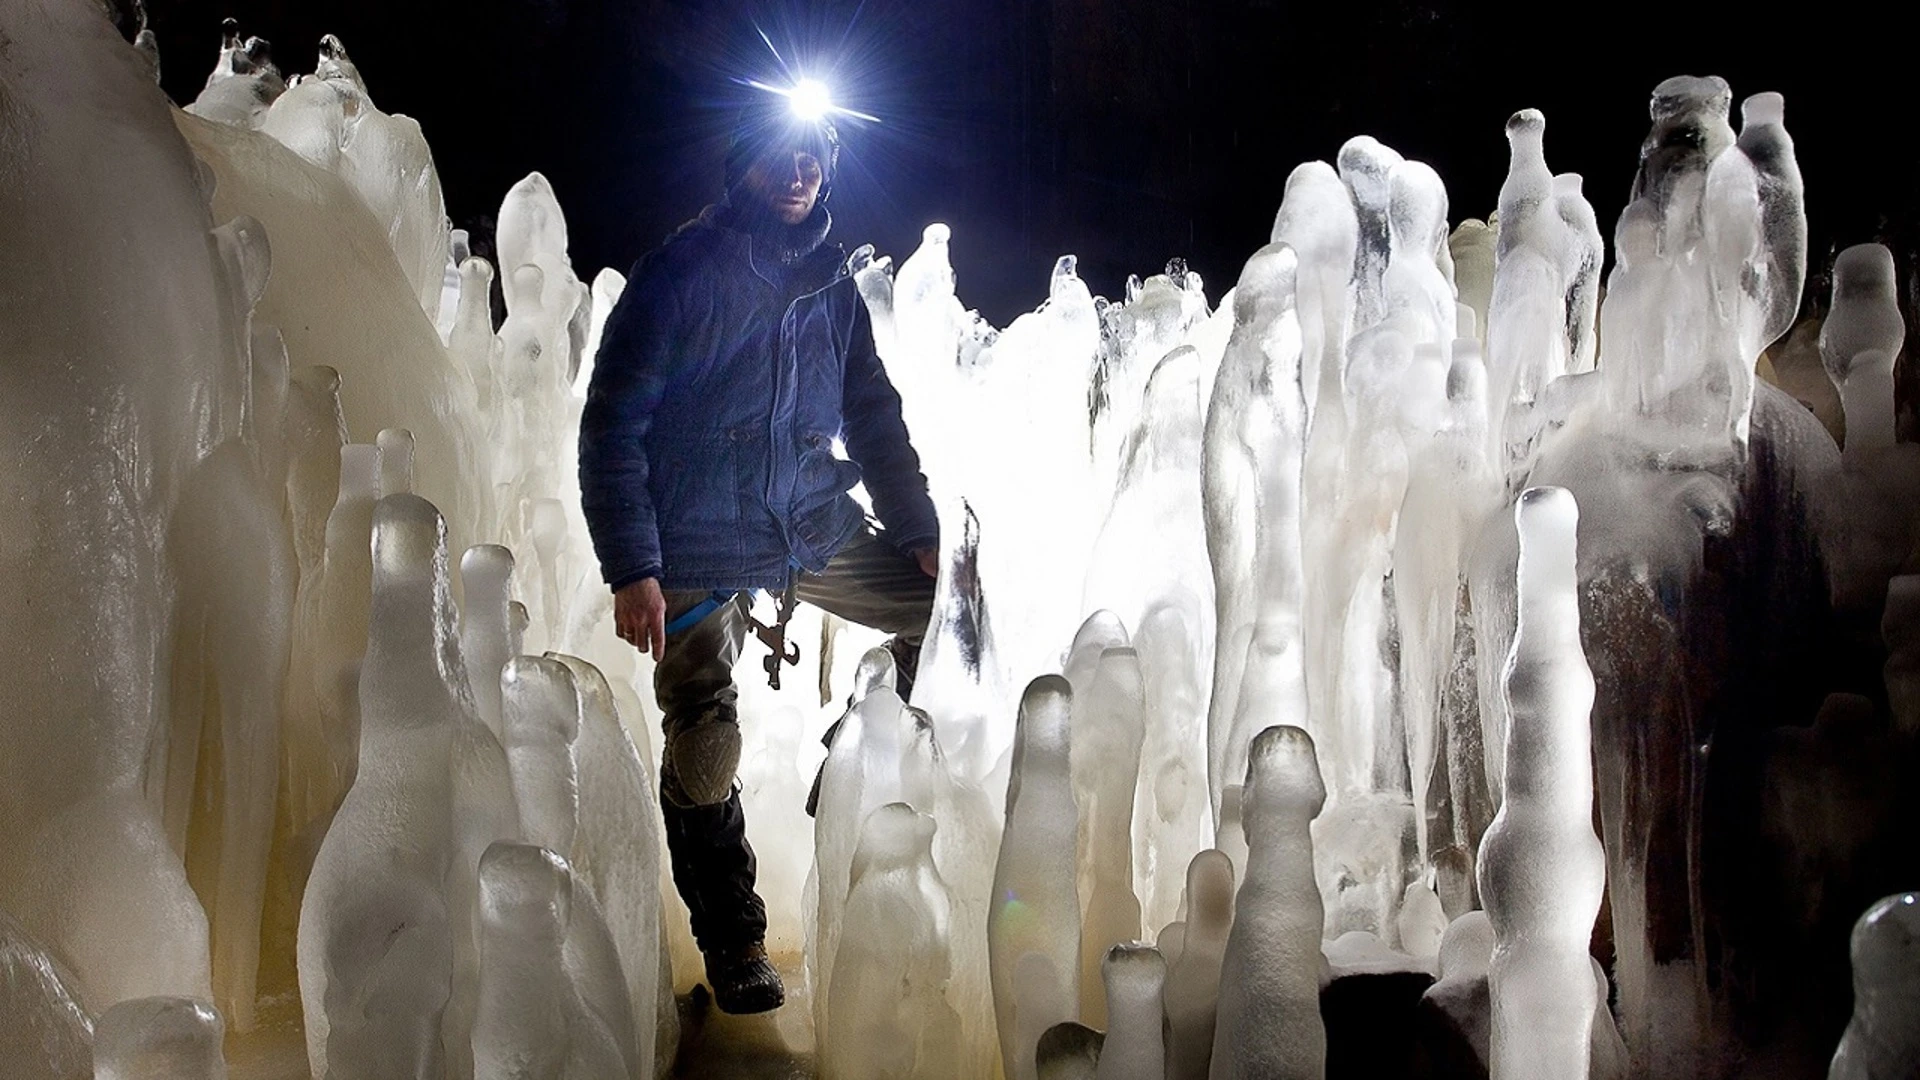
{"points": [[1527, 316], [1580, 263], [1419, 298], [616, 854], [1317, 220], [1541, 868], [159, 1038], [1689, 130], [1069, 1050], [330, 120], [1150, 568], [45, 1033], [1251, 461], [1033, 927], [1114, 705], [486, 571], [484, 811], [1859, 339], [872, 762], [1192, 989], [541, 709], [92, 347], [1450, 489], [1134, 975], [1453, 1018], [1883, 1038], [232, 555], [1472, 244], [1268, 1024], [889, 1015], [1732, 247], [535, 1017], [329, 643], [376, 940], [1366, 166], [243, 83], [315, 432], [1783, 211], [340, 296], [1425, 556]]}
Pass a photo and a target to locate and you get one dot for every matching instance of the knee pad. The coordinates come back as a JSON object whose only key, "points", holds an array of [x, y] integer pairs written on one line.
{"points": [[701, 761]]}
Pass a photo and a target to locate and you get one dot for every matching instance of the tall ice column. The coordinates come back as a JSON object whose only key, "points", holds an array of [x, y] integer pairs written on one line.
{"points": [[1541, 866]]}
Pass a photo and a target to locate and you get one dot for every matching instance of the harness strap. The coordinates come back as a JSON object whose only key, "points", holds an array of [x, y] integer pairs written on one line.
{"points": [[701, 610]]}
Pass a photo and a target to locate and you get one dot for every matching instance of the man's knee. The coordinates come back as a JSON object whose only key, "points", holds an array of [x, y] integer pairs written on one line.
{"points": [[701, 759]]}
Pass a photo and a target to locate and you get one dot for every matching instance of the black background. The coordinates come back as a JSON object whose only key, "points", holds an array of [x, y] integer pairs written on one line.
{"points": [[1126, 132]]}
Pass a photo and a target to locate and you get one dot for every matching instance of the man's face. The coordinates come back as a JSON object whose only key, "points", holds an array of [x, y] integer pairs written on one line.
{"points": [[787, 183]]}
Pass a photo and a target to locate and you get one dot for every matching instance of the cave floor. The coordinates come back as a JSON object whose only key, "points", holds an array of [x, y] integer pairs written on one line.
{"points": [[713, 1045]]}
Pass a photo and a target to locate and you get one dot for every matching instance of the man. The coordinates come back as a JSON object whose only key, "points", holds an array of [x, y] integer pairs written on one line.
{"points": [[738, 354]]}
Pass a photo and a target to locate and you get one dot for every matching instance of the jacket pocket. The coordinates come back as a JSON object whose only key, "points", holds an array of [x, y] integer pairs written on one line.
{"points": [[822, 476], [699, 493]]}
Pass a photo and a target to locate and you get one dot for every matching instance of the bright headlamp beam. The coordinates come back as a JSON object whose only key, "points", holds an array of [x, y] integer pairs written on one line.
{"points": [[810, 100]]}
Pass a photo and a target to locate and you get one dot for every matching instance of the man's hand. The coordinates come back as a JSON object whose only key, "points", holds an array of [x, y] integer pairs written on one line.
{"points": [[640, 616], [929, 560]]}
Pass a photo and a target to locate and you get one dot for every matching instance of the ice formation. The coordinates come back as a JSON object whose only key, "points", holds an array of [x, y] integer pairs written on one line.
{"points": [[1541, 869], [1193, 971], [261, 757], [1268, 1021], [1033, 930], [1134, 977], [889, 1014], [159, 1038], [1883, 1038]]}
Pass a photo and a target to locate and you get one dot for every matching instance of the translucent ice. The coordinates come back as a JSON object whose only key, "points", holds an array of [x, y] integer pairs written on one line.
{"points": [[45, 1033], [1069, 1051], [1269, 1013], [233, 561], [875, 759], [1033, 928], [536, 1014], [616, 855], [1318, 221], [244, 81], [889, 1014], [1541, 868], [85, 864], [1193, 975], [1134, 975], [330, 120], [542, 723], [1114, 706], [486, 570], [376, 940], [1783, 213], [1255, 435], [1883, 1038], [1864, 328], [159, 1038]]}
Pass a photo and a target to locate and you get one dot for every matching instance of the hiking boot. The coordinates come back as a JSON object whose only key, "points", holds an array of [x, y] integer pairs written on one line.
{"points": [[744, 981]]}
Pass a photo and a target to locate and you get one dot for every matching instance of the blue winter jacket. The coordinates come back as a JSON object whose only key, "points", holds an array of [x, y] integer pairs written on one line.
{"points": [[706, 445]]}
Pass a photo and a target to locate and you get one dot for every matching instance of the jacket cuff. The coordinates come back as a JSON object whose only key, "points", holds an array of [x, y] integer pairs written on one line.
{"points": [[624, 580]]}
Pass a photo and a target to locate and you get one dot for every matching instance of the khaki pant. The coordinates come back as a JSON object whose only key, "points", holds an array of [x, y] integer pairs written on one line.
{"points": [[869, 582]]}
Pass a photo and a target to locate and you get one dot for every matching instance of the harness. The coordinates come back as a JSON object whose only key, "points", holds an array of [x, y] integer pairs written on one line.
{"points": [[773, 636]]}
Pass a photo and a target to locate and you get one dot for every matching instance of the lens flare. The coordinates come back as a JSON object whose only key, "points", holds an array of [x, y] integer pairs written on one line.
{"points": [[810, 99]]}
